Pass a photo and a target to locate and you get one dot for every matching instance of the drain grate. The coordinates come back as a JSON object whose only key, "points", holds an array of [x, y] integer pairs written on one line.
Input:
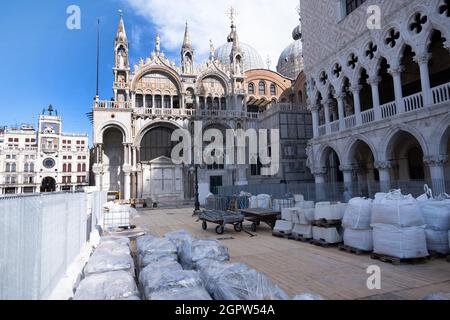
{"points": [[224, 239]]}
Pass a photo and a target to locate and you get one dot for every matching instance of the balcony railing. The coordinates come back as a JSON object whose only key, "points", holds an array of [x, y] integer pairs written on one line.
{"points": [[412, 103], [195, 113], [112, 105]]}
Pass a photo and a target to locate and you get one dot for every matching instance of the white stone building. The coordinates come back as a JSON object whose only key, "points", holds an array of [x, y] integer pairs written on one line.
{"points": [[380, 99], [43, 160], [231, 90]]}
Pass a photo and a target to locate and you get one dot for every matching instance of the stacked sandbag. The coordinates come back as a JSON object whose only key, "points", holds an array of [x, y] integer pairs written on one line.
{"points": [[168, 281], [151, 249], [226, 281], [327, 222], [437, 219], [178, 238], [398, 226], [116, 285], [109, 273], [302, 219], [197, 250], [357, 219]]}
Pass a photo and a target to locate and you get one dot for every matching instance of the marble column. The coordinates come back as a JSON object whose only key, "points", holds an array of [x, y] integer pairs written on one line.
{"points": [[319, 176], [396, 75], [341, 112], [436, 164], [357, 102], [422, 60], [384, 169], [348, 170], [315, 120], [326, 105], [374, 81]]}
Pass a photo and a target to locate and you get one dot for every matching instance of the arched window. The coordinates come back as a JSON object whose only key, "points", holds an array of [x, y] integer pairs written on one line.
{"points": [[84, 167], [251, 88], [79, 167], [273, 89], [223, 103], [69, 167], [262, 88], [64, 167]]}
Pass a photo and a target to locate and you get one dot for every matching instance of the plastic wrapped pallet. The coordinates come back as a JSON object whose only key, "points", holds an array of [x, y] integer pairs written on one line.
{"points": [[287, 214], [197, 250], [358, 214], [403, 243], [436, 214], [178, 238], [305, 205], [283, 228], [166, 279], [156, 249], [329, 211], [437, 241], [117, 285], [225, 281], [114, 247], [397, 209], [302, 230], [329, 235], [303, 216], [178, 294], [308, 296], [280, 204], [264, 201], [122, 241], [163, 265], [359, 239], [106, 261]]}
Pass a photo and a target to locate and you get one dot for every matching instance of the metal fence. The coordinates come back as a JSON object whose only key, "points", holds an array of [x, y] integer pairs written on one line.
{"points": [[332, 191], [40, 236]]}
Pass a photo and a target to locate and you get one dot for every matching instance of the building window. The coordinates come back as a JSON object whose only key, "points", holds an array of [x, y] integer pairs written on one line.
{"points": [[352, 5], [10, 167], [262, 88], [273, 89], [251, 88]]}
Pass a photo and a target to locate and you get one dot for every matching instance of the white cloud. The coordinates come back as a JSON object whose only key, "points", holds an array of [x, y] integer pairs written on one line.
{"points": [[264, 24]]}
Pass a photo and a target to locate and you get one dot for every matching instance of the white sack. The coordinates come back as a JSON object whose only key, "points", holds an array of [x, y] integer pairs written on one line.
{"points": [[264, 201], [303, 216], [283, 227], [301, 230], [397, 209], [436, 214], [106, 261], [178, 238], [197, 250], [329, 235], [358, 214], [437, 241], [359, 239], [403, 243], [329, 211]]}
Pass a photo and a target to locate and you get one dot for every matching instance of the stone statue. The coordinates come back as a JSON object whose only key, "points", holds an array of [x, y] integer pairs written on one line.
{"points": [[121, 60]]}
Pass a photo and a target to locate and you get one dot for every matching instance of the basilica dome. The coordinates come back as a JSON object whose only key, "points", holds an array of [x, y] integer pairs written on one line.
{"points": [[252, 59], [290, 63]]}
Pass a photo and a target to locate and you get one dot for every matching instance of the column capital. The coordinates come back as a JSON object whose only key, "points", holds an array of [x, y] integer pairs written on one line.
{"points": [[396, 71], [436, 161], [356, 89], [374, 81], [127, 144], [97, 169], [339, 95], [327, 102], [383, 165], [423, 58], [313, 108], [127, 169], [319, 171]]}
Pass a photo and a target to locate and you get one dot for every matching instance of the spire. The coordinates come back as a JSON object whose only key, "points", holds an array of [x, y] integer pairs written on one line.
{"points": [[187, 41], [231, 13], [121, 34]]}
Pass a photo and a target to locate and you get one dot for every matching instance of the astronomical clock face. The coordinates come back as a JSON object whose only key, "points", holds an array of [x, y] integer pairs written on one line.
{"points": [[49, 163], [49, 128]]}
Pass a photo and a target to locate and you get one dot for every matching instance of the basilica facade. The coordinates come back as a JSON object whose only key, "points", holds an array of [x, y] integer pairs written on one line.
{"points": [[231, 90]]}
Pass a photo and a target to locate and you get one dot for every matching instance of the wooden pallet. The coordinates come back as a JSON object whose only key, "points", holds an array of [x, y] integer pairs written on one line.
{"points": [[323, 244], [327, 223], [301, 239], [397, 261], [284, 236], [358, 252]]}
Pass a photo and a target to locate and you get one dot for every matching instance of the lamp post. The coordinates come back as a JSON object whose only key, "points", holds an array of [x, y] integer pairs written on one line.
{"points": [[197, 195]]}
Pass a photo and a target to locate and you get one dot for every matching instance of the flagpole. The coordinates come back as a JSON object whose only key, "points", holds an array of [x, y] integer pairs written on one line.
{"points": [[98, 55]]}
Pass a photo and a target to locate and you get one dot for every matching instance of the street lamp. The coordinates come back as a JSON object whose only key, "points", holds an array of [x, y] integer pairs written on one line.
{"points": [[194, 169]]}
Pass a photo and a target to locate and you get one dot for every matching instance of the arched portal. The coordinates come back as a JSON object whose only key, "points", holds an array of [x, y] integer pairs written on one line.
{"points": [[157, 143], [406, 155], [439, 65], [411, 74], [48, 185], [331, 162], [362, 161], [113, 159]]}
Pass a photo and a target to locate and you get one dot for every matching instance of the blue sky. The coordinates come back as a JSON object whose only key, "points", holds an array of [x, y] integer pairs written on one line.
{"points": [[46, 63]]}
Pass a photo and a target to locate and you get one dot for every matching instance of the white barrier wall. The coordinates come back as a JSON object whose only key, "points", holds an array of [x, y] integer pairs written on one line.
{"points": [[40, 236]]}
